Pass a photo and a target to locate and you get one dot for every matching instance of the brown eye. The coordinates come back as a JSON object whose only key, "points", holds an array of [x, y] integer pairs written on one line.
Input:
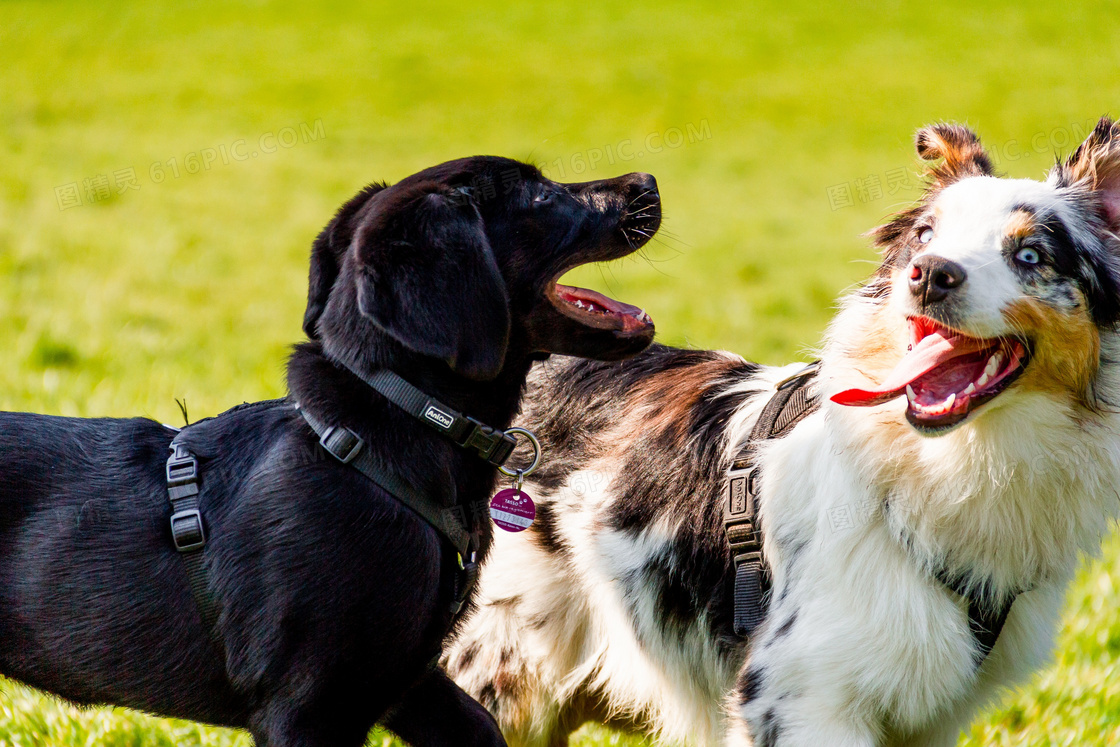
{"points": [[543, 198]]}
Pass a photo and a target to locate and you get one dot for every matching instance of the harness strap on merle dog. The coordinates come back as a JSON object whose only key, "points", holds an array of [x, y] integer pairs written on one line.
{"points": [[790, 404], [985, 623]]}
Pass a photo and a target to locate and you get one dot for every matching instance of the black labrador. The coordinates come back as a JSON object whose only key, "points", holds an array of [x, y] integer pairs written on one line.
{"points": [[332, 597]]}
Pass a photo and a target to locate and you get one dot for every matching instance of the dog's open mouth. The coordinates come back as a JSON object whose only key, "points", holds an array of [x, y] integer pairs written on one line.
{"points": [[945, 375], [596, 310]]}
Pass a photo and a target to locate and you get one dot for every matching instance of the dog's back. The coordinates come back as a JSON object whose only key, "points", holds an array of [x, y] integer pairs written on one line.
{"points": [[615, 605], [70, 488]]}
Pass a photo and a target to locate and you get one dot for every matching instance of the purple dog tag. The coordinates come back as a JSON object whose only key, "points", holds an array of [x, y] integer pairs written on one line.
{"points": [[512, 510]]}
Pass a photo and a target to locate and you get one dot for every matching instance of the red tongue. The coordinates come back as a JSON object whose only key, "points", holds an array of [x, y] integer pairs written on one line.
{"points": [[573, 294], [931, 352]]}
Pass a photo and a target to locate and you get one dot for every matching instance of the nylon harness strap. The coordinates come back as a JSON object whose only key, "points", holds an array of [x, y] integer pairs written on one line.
{"points": [[450, 521], [792, 402], [788, 406], [188, 532], [984, 623], [349, 448], [492, 444]]}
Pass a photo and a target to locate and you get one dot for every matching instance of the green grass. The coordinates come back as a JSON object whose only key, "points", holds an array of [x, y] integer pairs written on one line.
{"points": [[193, 286]]}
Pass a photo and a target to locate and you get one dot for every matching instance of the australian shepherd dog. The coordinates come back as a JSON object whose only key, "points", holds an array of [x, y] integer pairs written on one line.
{"points": [[968, 428]]}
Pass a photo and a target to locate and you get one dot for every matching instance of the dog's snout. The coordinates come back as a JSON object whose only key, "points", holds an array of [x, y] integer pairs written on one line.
{"points": [[641, 186], [642, 211], [932, 278], [628, 193], [628, 207]]}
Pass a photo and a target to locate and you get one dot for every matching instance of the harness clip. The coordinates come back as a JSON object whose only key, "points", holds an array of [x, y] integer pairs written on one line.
{"points": [[342, 443], [187, 530], [181, 470], [493, 445]]}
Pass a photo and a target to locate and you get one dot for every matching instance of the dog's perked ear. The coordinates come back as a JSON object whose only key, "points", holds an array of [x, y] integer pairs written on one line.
{"points": [[952, 152], [427, 276], [959, 150], [326, 256], [1095, 166]]}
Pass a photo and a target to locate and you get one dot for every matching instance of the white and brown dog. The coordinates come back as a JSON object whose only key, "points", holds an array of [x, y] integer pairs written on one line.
{"points": [[968, 429]]}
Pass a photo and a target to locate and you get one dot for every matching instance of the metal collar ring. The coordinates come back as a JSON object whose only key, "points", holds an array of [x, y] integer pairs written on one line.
{"points": [[536, 454]]}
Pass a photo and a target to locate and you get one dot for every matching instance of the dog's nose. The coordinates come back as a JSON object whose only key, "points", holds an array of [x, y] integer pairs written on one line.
{"points": [[641, 187], [932, 277]]}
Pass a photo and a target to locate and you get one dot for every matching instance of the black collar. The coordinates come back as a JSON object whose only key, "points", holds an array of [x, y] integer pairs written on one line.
{"points": [[492, 444]]}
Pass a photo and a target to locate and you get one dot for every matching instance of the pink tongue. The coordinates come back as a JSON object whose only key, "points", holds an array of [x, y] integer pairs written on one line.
{"points": [[931, 352]]}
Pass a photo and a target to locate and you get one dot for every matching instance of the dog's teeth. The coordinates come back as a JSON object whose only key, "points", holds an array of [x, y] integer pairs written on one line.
{"points": [[579, 304], [910, 393], [949, 402], [983, 380], [969, 389], [994, 363]]}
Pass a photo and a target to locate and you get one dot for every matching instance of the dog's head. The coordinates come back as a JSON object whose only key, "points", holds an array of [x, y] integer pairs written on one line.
{"points": [[992, 286], [459, 263]]}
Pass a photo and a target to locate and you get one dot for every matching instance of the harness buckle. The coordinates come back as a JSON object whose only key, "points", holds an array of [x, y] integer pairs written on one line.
{"points": [[465, 582], [342, 443], [187, 530], [181, 470], [754, 556], [493, 445]]}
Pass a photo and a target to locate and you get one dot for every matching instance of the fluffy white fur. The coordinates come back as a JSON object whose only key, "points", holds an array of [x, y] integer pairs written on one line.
{"points": [[862, 646]]}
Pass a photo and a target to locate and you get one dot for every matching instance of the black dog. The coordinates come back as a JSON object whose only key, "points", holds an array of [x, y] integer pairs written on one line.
{"points": [[332, 597]]}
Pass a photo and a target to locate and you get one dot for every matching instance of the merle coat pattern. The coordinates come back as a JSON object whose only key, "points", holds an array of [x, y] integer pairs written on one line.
{"points": [[333, 596], [969, 427]]}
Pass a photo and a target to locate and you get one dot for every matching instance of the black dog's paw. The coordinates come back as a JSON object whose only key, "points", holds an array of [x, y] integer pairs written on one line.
{"points": [[437, 712]]}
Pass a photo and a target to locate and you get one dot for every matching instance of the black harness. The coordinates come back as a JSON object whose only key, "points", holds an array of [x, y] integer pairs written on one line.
{"points": [[793, 401], [460, 525]]}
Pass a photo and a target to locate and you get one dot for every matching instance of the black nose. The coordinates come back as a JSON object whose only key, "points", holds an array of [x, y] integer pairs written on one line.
{"points": [[641, 186], [932, 277], [643, 203]]}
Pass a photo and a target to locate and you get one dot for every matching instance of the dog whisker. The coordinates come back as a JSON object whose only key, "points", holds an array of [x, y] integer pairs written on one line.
{"points": [[643, 194]]}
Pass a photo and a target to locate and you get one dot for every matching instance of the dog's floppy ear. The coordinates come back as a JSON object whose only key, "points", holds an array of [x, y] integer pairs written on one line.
{"points": [[957, 147], [1095, 165], [427, 276], [326, 256]]}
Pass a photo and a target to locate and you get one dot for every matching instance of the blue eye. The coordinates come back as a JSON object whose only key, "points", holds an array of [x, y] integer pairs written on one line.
{"points": [[542, 198], [1027, 256], [925, 235]]}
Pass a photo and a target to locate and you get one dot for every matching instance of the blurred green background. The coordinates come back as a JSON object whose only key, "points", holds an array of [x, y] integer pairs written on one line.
{"points": [[164, 169]]}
